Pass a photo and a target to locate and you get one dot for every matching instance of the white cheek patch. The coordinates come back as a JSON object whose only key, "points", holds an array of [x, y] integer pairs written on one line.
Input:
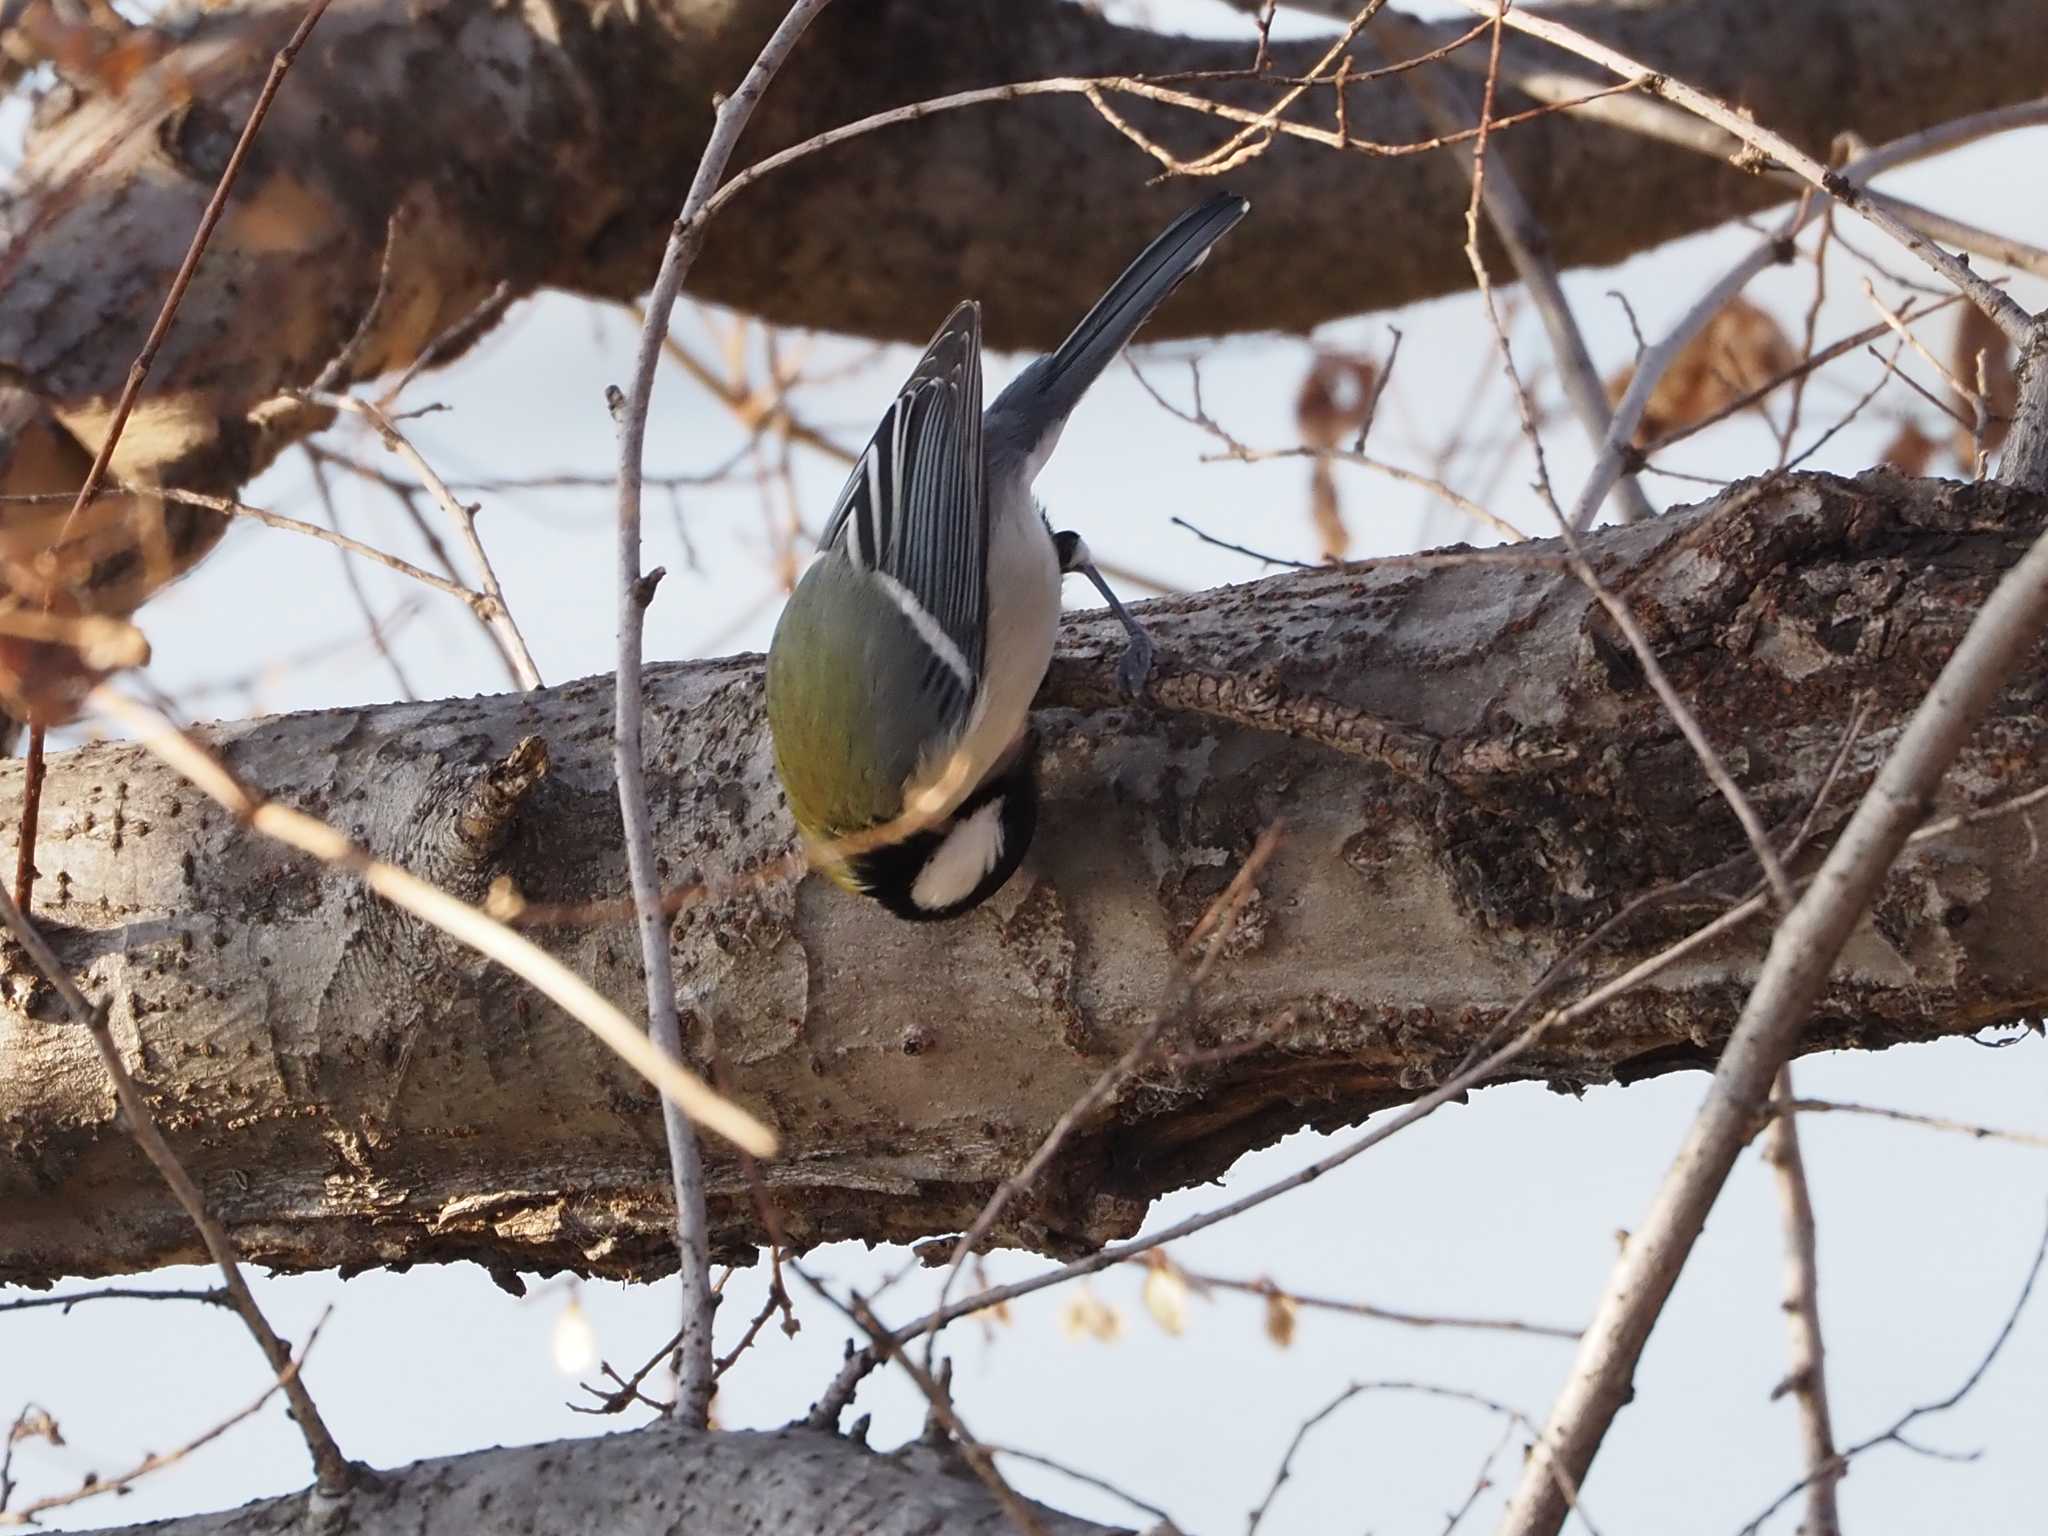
{"points": [[962, 861]]}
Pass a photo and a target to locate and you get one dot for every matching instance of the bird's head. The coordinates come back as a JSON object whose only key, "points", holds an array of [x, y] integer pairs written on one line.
{"points": [[954, 865]]}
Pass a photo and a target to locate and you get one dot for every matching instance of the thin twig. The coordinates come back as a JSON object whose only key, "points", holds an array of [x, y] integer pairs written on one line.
{"points": [[1528, 247], [317, 468], [1896, 1433], [1514, 1416], [490, 607], [1270, 1289], [1801, 958], [217, 1296], [1806, 1376], [331, 1470], [889, 1346], [287, 1379], [1908, 1117], [2010, 318], [698, 1372], [1220, 916], [216, 205], [34, 771], [1484, 1064]]}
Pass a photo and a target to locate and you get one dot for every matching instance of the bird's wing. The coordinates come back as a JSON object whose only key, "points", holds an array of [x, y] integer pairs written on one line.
{"points": [[914, 513]]}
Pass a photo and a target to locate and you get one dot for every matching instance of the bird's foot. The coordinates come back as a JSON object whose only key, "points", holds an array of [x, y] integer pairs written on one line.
{"points": [[1135, 666]]}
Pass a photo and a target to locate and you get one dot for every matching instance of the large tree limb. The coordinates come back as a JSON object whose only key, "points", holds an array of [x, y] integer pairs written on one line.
{"points": [[655, 1482], [1473, 775], [423, 153]]}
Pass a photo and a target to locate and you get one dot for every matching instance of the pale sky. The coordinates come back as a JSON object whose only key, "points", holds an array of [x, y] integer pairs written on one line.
{"points": [[1507, 1207]]}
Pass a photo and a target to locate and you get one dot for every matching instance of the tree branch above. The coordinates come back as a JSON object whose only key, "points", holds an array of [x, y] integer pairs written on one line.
{"points": [[1473, 775], [422, 155]]}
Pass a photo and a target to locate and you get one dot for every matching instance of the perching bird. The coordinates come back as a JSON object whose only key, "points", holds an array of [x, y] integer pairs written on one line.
{"points": [[902, 671]]}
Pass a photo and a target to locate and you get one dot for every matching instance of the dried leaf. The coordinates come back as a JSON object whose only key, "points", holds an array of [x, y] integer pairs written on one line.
{"points": [[1335, 399], [35, 1423], [1738, 350], [1280, 1315], [1331, 533], [1912, 450], [503, 900], [575, 1340], [1166, 1296], [1088, 1316], [1334, 405]]}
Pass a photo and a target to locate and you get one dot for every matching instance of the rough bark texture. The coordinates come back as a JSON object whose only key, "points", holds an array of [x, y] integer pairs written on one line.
{"points": [[422, 151], [653, 1483], [1473, 775]]}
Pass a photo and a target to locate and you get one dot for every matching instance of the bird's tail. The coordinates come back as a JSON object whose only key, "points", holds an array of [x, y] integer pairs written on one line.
{"points": [[1062, 378]]}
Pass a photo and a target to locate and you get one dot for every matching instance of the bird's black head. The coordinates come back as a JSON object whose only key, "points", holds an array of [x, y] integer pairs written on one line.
{"points": [[953, 867]]}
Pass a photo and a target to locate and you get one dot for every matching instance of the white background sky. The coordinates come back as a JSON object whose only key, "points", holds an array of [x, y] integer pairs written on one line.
{"points": [[1507, 1207]]}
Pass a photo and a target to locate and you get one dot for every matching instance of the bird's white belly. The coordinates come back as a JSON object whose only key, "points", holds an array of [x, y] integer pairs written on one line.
{"points": [[1023, 618]]}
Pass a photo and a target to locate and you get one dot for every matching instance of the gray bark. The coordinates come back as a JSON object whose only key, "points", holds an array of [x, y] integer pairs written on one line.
{"points": [[1473, 776], [652, 1483]]}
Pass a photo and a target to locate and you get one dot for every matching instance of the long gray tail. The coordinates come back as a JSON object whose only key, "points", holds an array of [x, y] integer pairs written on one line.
{"points": [[1044, 393]]}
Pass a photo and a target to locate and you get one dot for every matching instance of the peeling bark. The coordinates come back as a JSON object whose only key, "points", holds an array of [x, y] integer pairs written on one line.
{"points": [[652, 1483], [1473, 776]]}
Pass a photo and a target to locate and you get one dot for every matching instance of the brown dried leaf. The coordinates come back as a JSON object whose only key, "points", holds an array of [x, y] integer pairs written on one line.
{"points": [[1912, 450], [1088, 1316], [1738, 350], [1166, 1297], [1335, 399], [35, 1423], [1280, 1316], [1324, 511]]}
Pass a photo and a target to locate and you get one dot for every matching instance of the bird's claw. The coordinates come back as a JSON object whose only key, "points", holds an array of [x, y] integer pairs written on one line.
{"points": [[1135, 667]]}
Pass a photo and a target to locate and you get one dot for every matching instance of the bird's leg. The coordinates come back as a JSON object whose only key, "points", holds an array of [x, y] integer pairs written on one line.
{"points": [[1136, 664]]}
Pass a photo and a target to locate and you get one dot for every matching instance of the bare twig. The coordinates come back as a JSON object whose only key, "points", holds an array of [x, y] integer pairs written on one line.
{"points": [[458, 919], [1651, 366], [490, 606], [1217, 919], [216, 205], [217, 1296], [1528, 247], [698, 1371], [1485, 1063], [34, 770], [1514, 1416], [1801, 957], [1908, 1117], [2011, 319], [317, 468], [1089, 1479], [331, 1469], [938, 1398], [1896, 1433], [287, 1379], [1198, 415], [1806, 1376], [1270, 1289]]}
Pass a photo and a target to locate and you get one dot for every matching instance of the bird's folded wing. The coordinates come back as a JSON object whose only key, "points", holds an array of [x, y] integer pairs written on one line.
{"points": [[914, 512]]}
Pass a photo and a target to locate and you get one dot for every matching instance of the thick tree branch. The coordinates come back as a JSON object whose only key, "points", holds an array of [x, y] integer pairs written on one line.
{"points": [[1468, 752], [658, 1481], [485, 149]]}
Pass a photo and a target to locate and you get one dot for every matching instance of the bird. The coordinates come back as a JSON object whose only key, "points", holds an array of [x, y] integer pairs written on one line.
{"points": [[902, 669]]}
